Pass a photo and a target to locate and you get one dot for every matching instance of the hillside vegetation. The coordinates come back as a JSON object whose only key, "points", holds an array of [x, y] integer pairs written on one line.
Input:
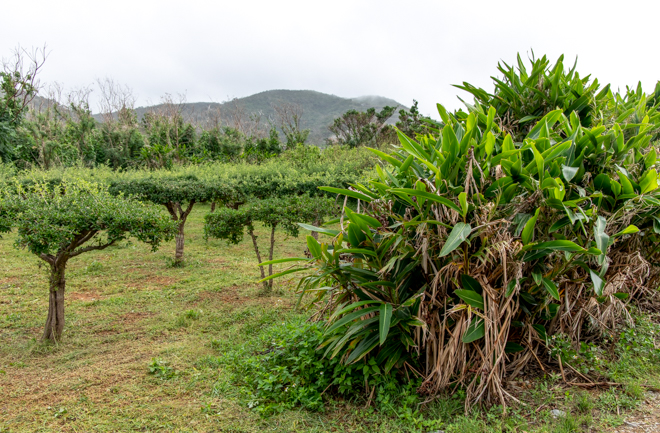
{"points": [[319, 109]]}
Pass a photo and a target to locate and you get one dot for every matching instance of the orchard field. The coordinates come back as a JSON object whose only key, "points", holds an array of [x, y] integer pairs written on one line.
{"points": [[494, 270]]}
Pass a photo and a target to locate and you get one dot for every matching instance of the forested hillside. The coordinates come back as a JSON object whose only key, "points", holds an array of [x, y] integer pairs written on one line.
{"points": [[318, 109]]}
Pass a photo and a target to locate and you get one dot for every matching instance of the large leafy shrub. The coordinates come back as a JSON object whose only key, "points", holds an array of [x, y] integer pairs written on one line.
{"points": [[474, 244]]}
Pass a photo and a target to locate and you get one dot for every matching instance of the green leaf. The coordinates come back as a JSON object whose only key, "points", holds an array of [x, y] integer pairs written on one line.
{"points": [[319, 229], [649, 182], [470, 283], [528, 231], [626, 184], [512, 347], [560, 245], [462, 199], [602, 239], [569, 172], [551, 288], [384, 320], [598, 283], [362, 349], [627, 231], [357, 251], [458, 235], [540, 167], [288, 259], [471, 298], [347, 192], [510, 287], [540, 329], [475, 331], [351, 317], [426, 195]]}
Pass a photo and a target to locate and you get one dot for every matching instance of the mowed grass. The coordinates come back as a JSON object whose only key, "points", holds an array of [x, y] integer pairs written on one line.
{"points": [[124, 307], [128, 309]]}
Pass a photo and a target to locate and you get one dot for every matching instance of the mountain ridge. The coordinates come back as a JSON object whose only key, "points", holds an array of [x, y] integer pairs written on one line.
{"points": [[319, 109]]}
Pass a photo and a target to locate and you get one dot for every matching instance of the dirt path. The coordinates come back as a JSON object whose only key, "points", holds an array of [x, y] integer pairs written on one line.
{"points": [[646, 419]]}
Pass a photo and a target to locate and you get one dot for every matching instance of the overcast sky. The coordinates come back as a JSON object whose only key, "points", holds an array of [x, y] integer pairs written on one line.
{"points": [[405, 50]]}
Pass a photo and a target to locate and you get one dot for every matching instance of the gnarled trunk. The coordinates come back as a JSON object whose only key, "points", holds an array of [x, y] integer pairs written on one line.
{"points": [[180, 216], [55, 321], [180, 241]]}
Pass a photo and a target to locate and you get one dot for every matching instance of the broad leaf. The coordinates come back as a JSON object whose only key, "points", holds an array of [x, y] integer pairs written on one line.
{"points": [[458, 235], [475, 331], [471, 298]]}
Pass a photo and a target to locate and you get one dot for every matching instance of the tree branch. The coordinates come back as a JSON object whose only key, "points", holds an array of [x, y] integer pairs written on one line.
{"points": [[90, 248]]}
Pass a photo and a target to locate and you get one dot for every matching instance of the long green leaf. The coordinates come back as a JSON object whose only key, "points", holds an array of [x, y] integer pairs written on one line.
{"points": [[560, 245], [528, 231], [598, 283], [384, 321], [427, 195], [288, 259], [458, 235], [551, 287], [319, 229], [347, 192]]}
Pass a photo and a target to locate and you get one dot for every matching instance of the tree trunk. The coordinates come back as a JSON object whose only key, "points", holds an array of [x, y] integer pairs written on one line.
{"points": [[180, 241], [270, 255], [55, 321], [317, 223], [212, 206], [256, 250]]}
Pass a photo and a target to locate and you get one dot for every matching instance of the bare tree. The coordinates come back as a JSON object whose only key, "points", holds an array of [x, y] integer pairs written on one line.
{"points": [[249, 124], [117, 101], [289, 117], [20, 79]]}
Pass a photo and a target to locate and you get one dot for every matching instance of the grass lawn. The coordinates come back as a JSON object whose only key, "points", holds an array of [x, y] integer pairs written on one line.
{"points": [[130, 314]]}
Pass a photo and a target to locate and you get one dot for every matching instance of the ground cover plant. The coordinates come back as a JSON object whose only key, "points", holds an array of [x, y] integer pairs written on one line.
{"points": [[60, 223]]}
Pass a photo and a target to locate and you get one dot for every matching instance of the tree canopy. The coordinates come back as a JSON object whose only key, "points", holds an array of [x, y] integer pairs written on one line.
{"points": [[72, 218]]}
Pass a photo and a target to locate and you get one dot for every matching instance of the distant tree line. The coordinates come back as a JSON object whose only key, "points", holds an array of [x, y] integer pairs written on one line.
{"points": [[61, 130]]}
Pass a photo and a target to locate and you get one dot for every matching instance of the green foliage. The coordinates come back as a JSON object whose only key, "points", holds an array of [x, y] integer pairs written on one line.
{"points": [[49, 220], [162, 369], [524, 95], [290, 372], [285, 213], [356, 128], [474, 244], [163, 188]]}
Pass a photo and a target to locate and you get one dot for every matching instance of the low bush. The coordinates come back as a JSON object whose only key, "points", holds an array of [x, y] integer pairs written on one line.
{"points": [[286, 370]]}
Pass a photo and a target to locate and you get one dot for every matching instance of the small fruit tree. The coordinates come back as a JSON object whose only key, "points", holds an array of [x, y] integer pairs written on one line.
{"points": [[178, 194], [65, 221], [287, 212]]}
